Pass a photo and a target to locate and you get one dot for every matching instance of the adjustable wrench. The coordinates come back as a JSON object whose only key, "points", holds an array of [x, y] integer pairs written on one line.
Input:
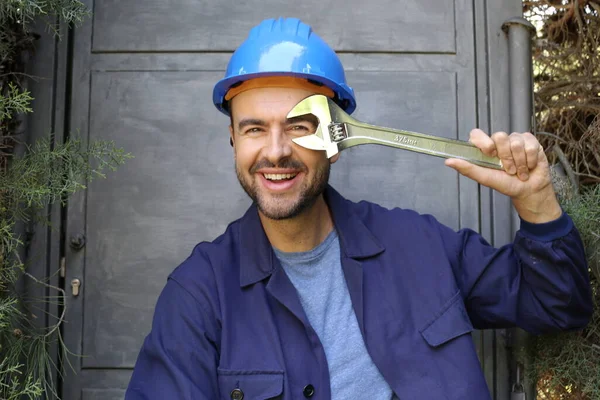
{"points": [[338, 131]]}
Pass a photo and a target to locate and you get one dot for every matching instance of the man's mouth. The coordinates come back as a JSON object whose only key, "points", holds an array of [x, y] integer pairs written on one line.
{"points": [[279, 177]]}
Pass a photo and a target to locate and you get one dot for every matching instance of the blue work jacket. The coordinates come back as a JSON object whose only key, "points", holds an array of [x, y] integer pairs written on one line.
{"points": [[229, 324]]}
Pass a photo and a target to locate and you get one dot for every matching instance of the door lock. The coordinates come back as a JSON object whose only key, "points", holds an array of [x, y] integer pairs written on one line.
{"points": [[75, 284]]}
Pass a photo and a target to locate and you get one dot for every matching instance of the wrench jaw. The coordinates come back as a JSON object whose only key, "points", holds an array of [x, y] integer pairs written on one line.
{"points": [[319, 106]]}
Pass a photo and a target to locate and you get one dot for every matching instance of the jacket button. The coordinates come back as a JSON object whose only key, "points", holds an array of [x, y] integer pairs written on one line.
{"points": [[308, 391], [236, 394]]}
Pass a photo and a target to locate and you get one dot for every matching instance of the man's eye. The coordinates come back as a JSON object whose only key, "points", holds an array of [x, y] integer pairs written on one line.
{"points": [[299, 128], [253, 130]]}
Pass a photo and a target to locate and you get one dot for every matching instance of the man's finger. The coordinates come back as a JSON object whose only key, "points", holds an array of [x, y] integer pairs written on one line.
{"points": [[532, 150], [517, 148], [504, 152], [482, 140]]}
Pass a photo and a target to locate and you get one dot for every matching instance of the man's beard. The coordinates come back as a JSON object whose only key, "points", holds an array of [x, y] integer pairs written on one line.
{"points": [[277, 207]]}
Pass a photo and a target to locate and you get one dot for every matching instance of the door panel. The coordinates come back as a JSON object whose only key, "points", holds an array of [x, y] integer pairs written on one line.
{"points": [[143, 220], [385, 25]]}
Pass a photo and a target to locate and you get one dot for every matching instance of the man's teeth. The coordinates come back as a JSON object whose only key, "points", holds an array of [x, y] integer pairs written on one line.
{"points": [[279, 177]]}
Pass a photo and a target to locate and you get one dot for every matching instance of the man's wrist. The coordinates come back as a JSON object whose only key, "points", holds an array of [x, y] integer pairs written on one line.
{"points": [[540, 208]]}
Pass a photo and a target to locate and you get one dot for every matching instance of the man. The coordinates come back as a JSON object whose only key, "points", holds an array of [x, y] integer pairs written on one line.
{"points": [[309, 295]]}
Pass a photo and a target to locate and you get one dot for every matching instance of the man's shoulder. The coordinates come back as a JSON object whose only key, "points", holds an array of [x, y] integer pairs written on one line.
{"points": [[368, 210], [384, 220], [206, 256]]}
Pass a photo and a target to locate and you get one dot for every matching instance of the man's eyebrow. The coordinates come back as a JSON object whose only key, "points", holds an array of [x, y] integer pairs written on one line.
{"points": [[303, 118], [294, 120], [250, 121]]}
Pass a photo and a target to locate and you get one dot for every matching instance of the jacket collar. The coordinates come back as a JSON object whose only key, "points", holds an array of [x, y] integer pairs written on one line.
{"points": [[258, 261]]}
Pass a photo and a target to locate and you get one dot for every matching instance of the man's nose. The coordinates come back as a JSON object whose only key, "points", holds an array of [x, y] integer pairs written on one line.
{"points": [[279, 146]]}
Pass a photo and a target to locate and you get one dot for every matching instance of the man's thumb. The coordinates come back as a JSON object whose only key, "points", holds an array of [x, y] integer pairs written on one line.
{"points": [[469, 170]]}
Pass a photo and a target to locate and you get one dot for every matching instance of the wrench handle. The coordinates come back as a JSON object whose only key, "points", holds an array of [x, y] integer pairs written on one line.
{"points": [[360, 133]]}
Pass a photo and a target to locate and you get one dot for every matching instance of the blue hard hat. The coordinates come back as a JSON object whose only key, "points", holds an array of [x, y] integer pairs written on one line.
{"points": [[285, 47]]}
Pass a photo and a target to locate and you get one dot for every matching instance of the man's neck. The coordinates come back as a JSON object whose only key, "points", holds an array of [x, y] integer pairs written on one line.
{"points": [[301, 233]]}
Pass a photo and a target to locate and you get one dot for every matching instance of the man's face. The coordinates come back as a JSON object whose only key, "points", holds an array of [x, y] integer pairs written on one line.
{"points": [[281, 177]]}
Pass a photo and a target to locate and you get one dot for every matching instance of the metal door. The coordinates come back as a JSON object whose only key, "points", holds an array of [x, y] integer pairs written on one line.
{"points": [[142, 76]]}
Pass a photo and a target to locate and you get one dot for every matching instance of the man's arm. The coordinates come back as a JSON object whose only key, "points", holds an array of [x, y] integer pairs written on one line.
{"points": [[179, 357], [541, 281]]}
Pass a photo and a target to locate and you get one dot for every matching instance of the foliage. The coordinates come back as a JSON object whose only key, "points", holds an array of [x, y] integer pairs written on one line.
{"points": [[48, 173], [25, 11], [566, 58], [15, 102], [566, 61], [567, 365], [44, 175], [585, 211]]}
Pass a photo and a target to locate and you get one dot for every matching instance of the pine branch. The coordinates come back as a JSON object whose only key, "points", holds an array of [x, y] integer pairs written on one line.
{"points": [[45, 175], [24, 12], [15, 102]]}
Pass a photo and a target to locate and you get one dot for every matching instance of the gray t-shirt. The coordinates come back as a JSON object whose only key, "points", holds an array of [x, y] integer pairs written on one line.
{"points": [[319, 280]]}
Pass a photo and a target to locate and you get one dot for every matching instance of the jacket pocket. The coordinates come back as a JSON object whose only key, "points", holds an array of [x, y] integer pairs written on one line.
{"points": [[452, 322], [250, 385]]}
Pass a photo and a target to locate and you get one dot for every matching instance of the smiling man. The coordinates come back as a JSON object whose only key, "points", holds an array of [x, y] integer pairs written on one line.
{"points": [[276, 176], [285, 181], [309, 295]]}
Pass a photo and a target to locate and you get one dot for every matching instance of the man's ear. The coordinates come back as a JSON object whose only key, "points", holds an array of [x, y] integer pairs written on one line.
{"points": [[231, 135], [334, 158]]}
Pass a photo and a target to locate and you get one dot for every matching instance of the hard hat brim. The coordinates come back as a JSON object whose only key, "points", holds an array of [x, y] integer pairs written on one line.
{"points": [[344, 95]]}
